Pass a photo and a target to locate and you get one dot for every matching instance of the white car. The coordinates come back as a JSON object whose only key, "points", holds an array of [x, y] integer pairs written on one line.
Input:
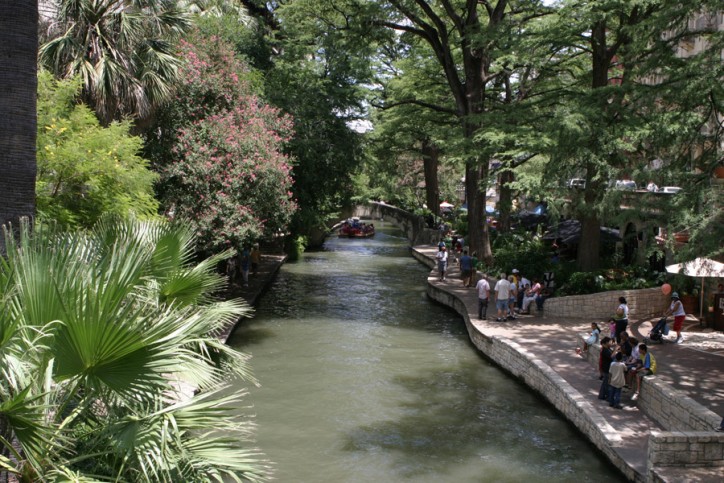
{"points": [[669, 189], [625, 184], [578, 183]]}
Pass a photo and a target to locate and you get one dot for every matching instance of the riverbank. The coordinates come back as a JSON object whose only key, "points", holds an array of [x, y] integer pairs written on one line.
{"points": [[541, 352]]}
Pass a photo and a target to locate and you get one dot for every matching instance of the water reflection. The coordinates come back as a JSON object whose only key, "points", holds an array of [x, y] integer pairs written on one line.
{"points": [[365, 380]]}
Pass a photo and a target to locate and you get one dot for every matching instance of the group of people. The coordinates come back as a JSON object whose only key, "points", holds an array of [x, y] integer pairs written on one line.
{"points": [[624, 361], [513, 295], [621, 366]]}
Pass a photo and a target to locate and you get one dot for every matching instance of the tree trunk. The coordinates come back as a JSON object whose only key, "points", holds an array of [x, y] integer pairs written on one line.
{"points": [[505, 203], [431, 160], [18, 123], [588, 255]]}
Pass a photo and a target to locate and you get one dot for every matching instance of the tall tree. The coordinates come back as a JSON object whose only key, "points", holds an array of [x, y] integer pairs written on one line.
{"points": [[123, 50], [18, 81]]}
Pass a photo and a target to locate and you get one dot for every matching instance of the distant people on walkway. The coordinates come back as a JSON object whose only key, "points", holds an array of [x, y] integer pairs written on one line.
{"points": [[474, 272], [523, 286], [530, 295], [617, 379], [502, 297], [466, 267], [513, 297], [255, 259], [605, 367], [677, 310], [544, 294], [244, 262], [441, 257], [483, 288], [592, 338], [621, 318], [647, 367]]}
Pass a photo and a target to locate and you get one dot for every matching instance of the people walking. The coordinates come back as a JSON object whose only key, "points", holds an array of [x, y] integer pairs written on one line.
{"points": [[677, 310]]}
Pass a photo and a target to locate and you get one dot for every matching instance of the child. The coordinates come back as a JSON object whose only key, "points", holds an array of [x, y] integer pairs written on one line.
{"points": [[617, 379], [648, 366], [612, 328], [592, 339]]}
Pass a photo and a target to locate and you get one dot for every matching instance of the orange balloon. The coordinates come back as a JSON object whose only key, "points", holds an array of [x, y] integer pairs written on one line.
{"points": [[666, 289]]}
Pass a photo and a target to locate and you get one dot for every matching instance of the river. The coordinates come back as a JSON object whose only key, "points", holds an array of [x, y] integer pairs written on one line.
{"points": [[364, 379]]}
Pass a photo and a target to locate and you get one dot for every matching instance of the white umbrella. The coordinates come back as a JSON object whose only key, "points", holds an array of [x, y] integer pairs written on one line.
{"points": [[445, 204], [699, 267]]}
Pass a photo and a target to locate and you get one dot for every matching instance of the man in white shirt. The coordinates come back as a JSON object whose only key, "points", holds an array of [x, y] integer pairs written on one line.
{"points": [[502, 295], [483, 288], [523, 285]]}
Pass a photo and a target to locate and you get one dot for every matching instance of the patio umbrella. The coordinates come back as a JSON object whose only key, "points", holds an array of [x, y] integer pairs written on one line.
{"points": [[699, 267]]}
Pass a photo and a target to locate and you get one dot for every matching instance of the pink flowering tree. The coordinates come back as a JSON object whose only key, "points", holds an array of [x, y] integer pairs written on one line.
{"points": [[220, 151]]}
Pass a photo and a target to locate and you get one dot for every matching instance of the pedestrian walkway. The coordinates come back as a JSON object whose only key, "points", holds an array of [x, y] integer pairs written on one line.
{"points": [[696, 373]]}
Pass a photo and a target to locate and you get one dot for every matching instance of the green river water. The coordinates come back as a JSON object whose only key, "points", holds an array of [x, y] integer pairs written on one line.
{"points": [[364, 379]]}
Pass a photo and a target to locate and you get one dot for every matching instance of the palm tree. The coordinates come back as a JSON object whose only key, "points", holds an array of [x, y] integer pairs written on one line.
{"points": [[122, 49], [104, 336], [18, 81]]}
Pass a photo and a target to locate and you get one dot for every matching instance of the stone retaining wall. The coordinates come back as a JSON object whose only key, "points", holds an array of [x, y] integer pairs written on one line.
{"points": [[692, 449], [643, 304], [522, 364]]}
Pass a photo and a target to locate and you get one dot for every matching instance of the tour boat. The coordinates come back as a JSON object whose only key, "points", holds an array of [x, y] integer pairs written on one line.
{"points": [[354, 228]]}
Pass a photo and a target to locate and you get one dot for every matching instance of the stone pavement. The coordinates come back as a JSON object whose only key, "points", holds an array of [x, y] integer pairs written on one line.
{"points": [[696, 369]]}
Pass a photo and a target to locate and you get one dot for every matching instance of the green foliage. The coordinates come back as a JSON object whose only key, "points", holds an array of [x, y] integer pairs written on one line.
{"points": [[121, 51], [104, 335], [520, 250], [219, 149], [84, 169], [297, 247], [579, 283]]}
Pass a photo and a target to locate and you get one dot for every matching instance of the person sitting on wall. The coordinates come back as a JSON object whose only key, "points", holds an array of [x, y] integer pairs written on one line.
{"points": [[544, 294], [530, 296], [647, 367]]}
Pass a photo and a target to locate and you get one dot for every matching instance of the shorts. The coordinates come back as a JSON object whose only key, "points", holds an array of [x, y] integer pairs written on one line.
{"points": [[679, 322], [643, 372], [466, 273], [501, 304], [512, 300]]}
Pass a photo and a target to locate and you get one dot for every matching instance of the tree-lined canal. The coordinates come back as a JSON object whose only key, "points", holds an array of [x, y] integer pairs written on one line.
{"points": [[366, 380]]}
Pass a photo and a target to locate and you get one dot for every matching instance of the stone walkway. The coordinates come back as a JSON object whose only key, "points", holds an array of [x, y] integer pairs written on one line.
{"points": [[695, 367]]}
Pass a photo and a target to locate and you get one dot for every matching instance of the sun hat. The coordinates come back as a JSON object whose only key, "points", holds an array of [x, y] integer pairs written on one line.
{"points": [[675, 295]]}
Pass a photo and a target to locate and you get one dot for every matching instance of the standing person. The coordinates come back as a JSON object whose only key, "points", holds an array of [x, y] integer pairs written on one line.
{"points": [[255, 259], [523, 285], [474, 273], [605, 367], [502, 297], [244, 261], [621, 318], [617, 380], [677, 310], [441, 257], [513, 298], [466, 267], [483, 288]]}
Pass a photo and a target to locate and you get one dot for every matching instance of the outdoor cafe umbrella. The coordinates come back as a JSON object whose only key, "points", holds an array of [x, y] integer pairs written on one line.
{"points": [[699, 267]]}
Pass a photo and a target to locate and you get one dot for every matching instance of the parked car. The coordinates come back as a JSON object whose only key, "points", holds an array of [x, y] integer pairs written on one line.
{"points": [[577, 183], [669, 189], [625, 184]]}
